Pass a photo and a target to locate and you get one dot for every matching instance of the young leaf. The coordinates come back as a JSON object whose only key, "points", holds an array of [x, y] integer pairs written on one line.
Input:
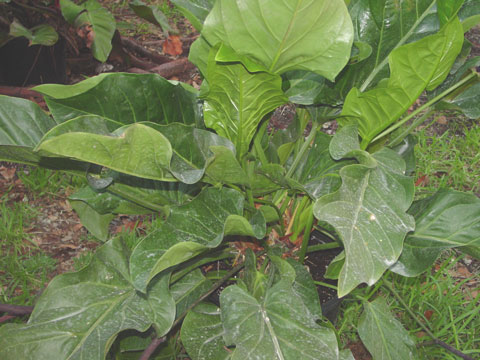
{"points": [[445, 220], [189, 230], [279, 327], [80, 314], [95, 222], [414, 67], [202, 333], [238, 100], [151, 13], [383, 335], [195, 11], [22, 125], [447, 9], [369, 213], [315, 35], [39, 35], [125, 98]]}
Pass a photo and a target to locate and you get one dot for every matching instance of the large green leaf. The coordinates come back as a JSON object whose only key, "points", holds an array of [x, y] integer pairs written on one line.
{"points": [[302, 35], [139, 151], [103, 26], [383, 335], [238, 100], [195, 11], [445, 220], [189, 230], [368, 212], [80, 314], [39, 35], [447, 9], [151, 13], [414, 67], [94, 221], [125, 98], [202, 333], [280, 326], [22, 125]]}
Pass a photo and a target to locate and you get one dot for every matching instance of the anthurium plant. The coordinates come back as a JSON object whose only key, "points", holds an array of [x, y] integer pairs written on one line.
{"points": [[209, 166]]}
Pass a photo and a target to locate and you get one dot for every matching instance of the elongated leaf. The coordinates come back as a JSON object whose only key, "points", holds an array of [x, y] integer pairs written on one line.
{"points": [[103, 27], [270, 329], [22, 125], [414, 67], [39, 35], [383, 335], [447, 9], [189, 230], [238, 100], [445, 220], [195, 11], [369, 214], [94, 221], [151, 13], [314, 35], [202, 333], [139, 151], [80, 314], [125, 98]]}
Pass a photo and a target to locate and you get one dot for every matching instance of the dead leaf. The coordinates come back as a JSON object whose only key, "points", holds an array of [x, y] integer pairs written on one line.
{"points": [[428, 314], [7, 173], [442, 120], [172, 45]]}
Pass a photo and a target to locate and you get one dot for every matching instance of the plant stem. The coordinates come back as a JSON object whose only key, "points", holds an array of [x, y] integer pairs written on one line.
{"points": [[303, 149], [306, 237], [321, 247], [389, 286], [426, 105], [396, 140], [152, 347]]}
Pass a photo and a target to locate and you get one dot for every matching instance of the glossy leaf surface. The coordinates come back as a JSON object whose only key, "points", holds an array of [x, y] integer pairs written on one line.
{"points": [[125, 98], [195, 11], [269, 329], [202, 333], [238, 100], [22, 125], [414, 67], [369, 213], [383, 335], [189, 230], [302, 35], [80, 314], [445, 220]]}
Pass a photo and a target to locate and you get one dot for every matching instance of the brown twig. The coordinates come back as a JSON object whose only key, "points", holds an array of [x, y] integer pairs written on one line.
{"points": [[16, 309], [166, 70], [142, 64], [22, 92], [446, 346], [139, 49]]}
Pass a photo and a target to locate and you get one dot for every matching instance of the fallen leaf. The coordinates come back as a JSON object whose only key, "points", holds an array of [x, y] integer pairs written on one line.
{"points": [[172, 45], [442, 120], [421, 334], [422, 181], [7, 173], [428, 314]]}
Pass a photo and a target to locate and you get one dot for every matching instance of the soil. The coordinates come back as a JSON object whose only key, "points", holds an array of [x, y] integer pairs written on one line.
{"points": [[57, 230]]}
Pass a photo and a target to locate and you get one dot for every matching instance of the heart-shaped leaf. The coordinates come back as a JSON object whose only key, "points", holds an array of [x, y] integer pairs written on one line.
{"points": [[445, 220], [269, 329], [369, 214], [80, 314], [39, 35], [151, 13], [383, 335], [195, 10], [314, 36]]}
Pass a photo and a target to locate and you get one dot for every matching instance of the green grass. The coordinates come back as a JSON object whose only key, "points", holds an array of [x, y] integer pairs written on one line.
{"points": [[450, 160], [454, 313], [24, 268]]}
